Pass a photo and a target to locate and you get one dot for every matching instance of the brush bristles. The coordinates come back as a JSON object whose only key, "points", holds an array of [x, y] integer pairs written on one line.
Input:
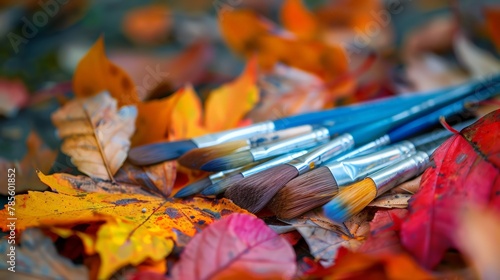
{"points": [[194, 188], [223, 185], [304, 193], [228, 162], [158, 152], [195, 158], [254, 192], [350, 200]]}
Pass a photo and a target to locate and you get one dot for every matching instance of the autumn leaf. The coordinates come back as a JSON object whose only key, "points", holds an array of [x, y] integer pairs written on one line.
{"points": [[238, 245], [95, 135], [95, 73], [391, 201], [492, 15], [157, 178], [296, 18], [37, 257], [227, 105], [465, 170], [384, 233]]}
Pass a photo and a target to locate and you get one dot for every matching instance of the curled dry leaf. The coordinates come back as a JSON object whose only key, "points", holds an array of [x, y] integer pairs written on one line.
{"points": [[158, 178], [38, 258], [408, 187], [465, 170], [95, 134], [391, 201], [241, 246]]}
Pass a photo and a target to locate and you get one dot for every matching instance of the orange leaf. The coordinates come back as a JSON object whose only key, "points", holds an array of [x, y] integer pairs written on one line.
{"points": [[296, 18], [186, 118], [152, 122], [95, 73], [492, 23], [227, 105]]}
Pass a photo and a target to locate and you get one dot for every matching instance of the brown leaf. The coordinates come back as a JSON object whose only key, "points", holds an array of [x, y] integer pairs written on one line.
{"points": [[391, 201], [95, 135]]}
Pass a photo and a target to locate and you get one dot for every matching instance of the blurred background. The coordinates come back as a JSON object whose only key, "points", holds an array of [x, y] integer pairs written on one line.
{"points": [[393, 47]]}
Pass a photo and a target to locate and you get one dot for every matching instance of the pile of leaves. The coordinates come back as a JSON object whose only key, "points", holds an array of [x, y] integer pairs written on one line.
{"points": [[103, 217]]}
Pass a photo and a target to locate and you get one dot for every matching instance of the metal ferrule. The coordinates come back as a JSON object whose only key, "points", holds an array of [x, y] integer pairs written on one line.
{"points": [[272, 163], [323, 153], [305, 141], [348, 171], [279, 135], [233, 134], [367, 148], [397, 173]]}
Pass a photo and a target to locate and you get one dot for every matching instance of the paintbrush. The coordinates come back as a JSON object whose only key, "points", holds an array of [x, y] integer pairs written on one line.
{"points": [[320, 185], [195, 158], [162, 151], [222, 185], [352, 199], [254, 192]]}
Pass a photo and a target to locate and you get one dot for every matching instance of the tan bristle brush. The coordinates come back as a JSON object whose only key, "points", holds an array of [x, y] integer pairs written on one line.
{"points": [[196, 158], [354, 198], [254, 192]]}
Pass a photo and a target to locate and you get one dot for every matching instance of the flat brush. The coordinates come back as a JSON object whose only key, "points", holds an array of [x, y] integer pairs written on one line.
{"points": [[195, 158], [162, 151], [354, 198], [317, 187], [224, 184]]}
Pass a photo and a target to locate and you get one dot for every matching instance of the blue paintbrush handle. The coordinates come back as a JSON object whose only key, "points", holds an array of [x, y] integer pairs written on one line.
{"points": [[431, 119]]}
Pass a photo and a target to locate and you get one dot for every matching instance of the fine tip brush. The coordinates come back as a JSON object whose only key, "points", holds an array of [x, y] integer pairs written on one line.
{"points": [[196, 158], [162, 151], [254, 192], [354, 198], [320, 185]]}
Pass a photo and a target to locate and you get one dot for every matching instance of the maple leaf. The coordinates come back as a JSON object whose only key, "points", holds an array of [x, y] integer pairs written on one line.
{"points": [[95, 73], [465, 170], [95, 135], [237, 246]]}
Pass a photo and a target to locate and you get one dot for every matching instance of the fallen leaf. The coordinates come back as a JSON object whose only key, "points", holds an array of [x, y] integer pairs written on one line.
{"points": [[121, 243], [240, 245], [324, 244], [296, 18], [391, 201], [179, 219], [157, 178], [477, 237], [148, 25], [96, 135], [359, 266], [37, 257], [227, 105], [384, 233], [465, 170], [408, 187], [187, 115], [95, 73], [492, 15]]}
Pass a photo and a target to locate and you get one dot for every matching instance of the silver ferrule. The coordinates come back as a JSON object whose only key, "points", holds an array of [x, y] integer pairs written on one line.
{"points": [[391, 176], [323, 153], [279, 135], [349, 171], [272, 163], [305, 141], [233, 134], [367, 148]]}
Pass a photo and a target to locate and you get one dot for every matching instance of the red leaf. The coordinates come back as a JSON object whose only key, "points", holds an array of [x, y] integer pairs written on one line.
{"points": [[237, 246], [384, 229], [466, 169]]}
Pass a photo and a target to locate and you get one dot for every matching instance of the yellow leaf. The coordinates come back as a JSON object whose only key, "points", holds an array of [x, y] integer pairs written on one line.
{"points": [[227, 105], [120, 243], [296, 18], [186, 118], [95, 73], [96, 135]]}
